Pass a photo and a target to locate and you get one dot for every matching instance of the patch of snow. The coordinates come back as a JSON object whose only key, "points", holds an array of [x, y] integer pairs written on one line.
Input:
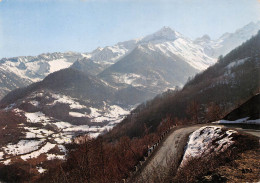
{"points": [[239, 121], [22, 147], [37, 133], [94, 135], [56, 65], [236, 63], [77, 114], [48, 146], [67, 100], [62, 148], [41, 170], [36, 117], [128, 78], [94, 112], [62, 125], [112, 113], [34, 103], [6, 162], [192, 53], [55, 156], [1, 155], [63, 137], [77, 128]]}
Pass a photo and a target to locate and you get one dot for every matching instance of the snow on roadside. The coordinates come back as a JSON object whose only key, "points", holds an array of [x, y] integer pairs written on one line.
{"points": [[201, 142], [239, 121]]}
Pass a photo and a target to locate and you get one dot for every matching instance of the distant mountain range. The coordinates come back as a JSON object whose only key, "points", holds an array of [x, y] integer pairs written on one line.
{"points": [[182, 56], [27, 69], [208, 97]]}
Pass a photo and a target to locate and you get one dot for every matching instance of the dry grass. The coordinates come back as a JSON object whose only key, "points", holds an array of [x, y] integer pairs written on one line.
{"points": [[246, 168]]}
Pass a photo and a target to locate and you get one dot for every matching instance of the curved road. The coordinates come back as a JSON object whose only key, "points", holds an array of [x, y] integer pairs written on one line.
{"points": [[170, 152]]}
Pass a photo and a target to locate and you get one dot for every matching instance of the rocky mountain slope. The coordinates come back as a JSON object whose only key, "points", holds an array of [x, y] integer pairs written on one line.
{"points": [[29, 69], [10, 81]]}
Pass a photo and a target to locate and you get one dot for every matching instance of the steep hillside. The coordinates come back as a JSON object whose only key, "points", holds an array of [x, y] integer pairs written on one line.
{"points": [[10, 81], [69, 82], [250, 109]]}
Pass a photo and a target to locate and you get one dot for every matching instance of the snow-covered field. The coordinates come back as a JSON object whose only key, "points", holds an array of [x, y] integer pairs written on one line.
{"points": [[36, 117], [43, 133], [201, 142], [22, 147], [67, 100]]}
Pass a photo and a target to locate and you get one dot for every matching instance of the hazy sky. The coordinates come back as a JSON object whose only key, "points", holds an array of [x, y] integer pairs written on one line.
{"points": [[31, 27]]}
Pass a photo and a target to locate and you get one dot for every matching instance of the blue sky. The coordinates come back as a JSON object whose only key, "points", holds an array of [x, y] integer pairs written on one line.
{"points": [[31, 27]]}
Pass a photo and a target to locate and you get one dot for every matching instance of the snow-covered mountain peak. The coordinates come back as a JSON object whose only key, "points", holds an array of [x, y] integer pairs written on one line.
{"points": [[228, 41], [225, 36], [205, 38], [164, 34], [248, 29], [243, 33]]}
